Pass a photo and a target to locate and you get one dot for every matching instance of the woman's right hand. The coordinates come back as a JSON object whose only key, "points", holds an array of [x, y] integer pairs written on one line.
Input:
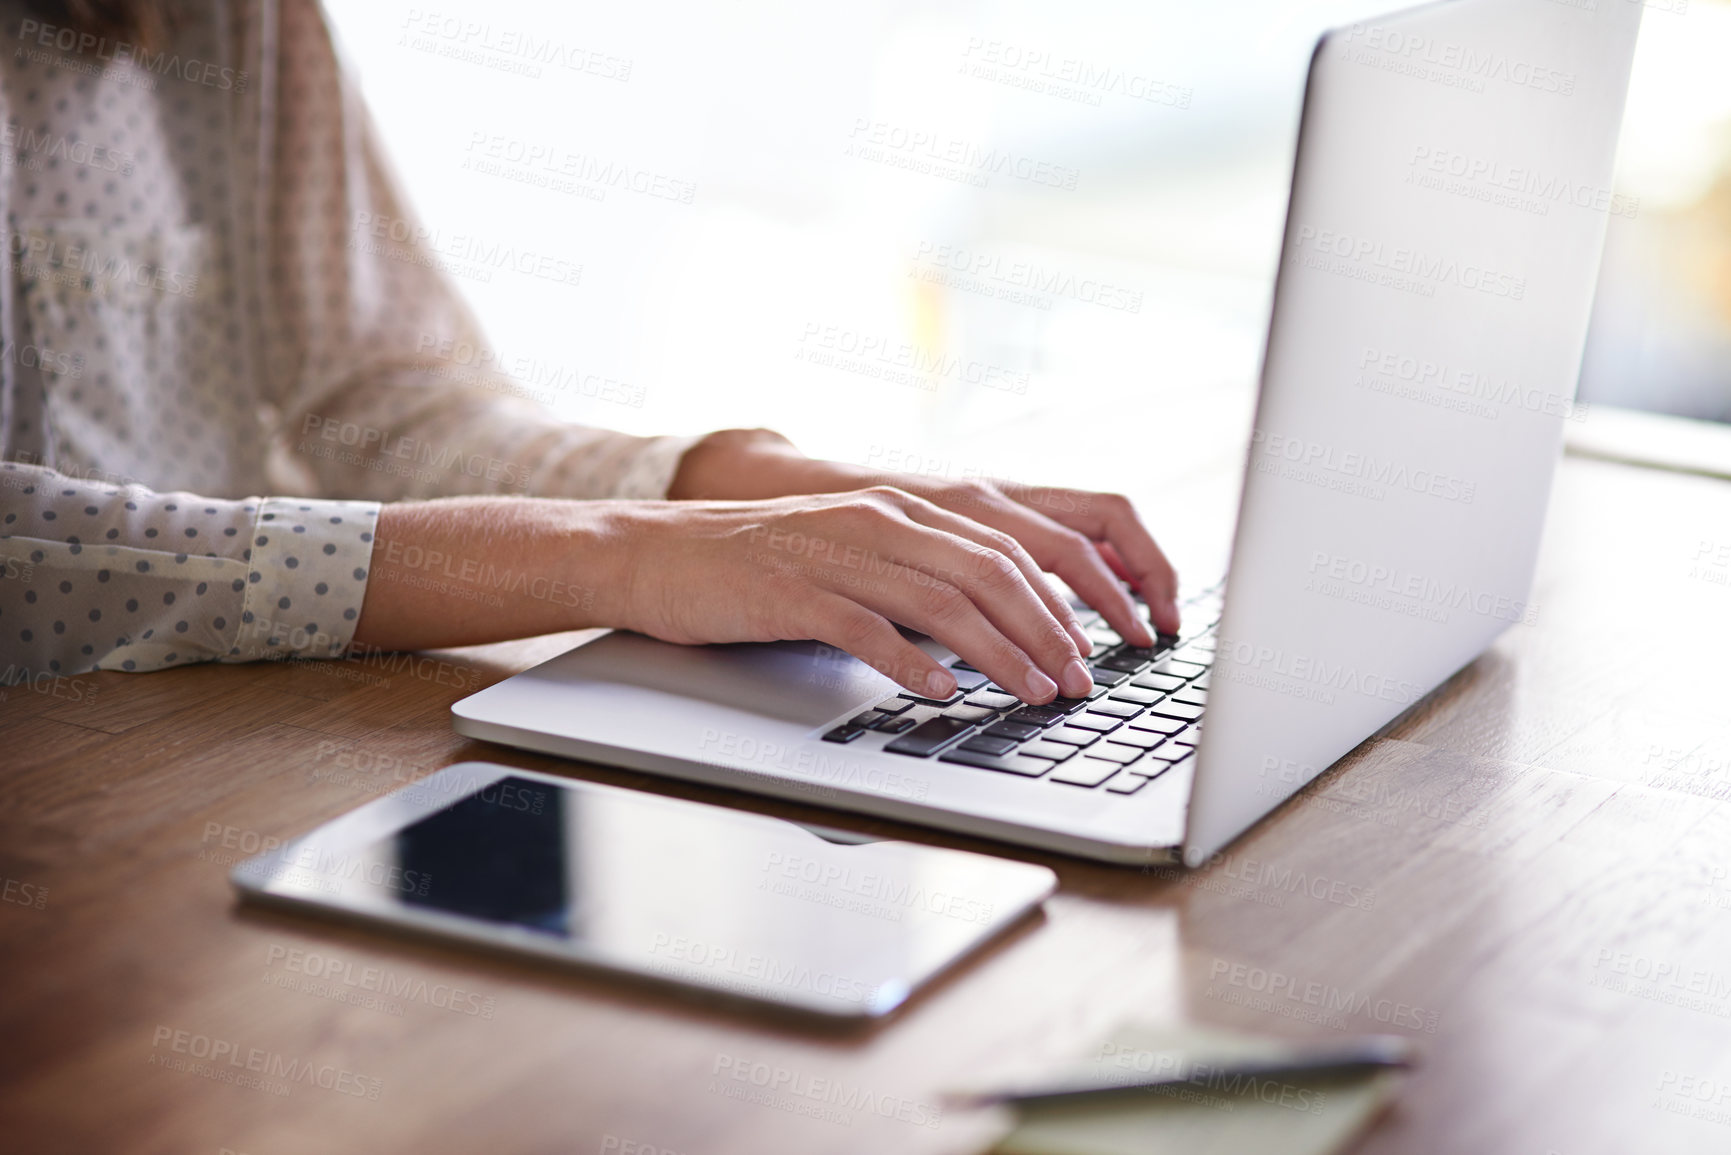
{"points": [[841, 568]]}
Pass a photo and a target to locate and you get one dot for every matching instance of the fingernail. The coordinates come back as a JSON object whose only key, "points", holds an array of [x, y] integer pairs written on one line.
{"points": [[1077, 680], [939, 685], [1040, 686], [1083, 643]]}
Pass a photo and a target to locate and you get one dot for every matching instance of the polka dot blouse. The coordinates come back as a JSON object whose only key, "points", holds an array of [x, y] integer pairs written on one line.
{"points": [[195, 308]]}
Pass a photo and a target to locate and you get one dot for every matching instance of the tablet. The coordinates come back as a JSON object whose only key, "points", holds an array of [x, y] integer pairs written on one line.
{"points": [[618, 880]]}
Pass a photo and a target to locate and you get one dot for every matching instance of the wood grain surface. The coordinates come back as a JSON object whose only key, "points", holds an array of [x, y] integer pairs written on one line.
{"points": [[1527, 873]]}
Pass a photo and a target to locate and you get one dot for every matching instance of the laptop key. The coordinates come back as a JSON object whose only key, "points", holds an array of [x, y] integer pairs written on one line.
{"points": [[1136, 694], [867, 720], [894, 725], [972, 715], [1005, 763], [1084, 772], [981, 744], [927, 738], [968, 679], [952, 700], [1165, 683], [1050, 751], [1016, 731], [1114, 753], [1150, 767], [1129, 660], [1171, 709], [1191, 696], [1141, 739], [1127, 784], [1155, 724], [1180, 669], [1071, 736], [894, 706], [846, 732], [1038, 716], [1071, 705], [1098, 723], [1108, 678], [986, 700], [1111, 709]]}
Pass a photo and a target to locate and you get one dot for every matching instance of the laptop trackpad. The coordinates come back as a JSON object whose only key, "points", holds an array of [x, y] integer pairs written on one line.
{"points": [[806, 683]]}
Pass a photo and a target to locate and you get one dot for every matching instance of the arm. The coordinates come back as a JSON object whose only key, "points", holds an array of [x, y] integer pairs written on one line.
{"points": [[838, 568], [842, 567], [384, 384], [360, 320], [98, 576]]}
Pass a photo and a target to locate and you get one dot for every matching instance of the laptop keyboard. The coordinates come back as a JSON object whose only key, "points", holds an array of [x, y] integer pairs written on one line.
{"points": [[1143, 717]]}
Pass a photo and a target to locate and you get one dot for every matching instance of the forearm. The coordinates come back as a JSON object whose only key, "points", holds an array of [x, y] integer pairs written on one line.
{"points": [[469, 570], [412, 435]]}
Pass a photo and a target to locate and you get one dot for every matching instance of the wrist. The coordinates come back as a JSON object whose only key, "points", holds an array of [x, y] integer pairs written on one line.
{"points": [[757, 464], [469, 570], [735, 465], [596, 542]]}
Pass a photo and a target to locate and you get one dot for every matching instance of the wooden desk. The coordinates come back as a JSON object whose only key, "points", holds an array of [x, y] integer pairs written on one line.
{"points": [[1501, 875]]}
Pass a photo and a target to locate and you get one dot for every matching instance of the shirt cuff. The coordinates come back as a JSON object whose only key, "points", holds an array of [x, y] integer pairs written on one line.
{"points": [[651, 471], [308, 576]]}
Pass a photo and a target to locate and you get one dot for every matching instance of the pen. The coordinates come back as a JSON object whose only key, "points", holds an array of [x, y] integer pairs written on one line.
{"points": [[1369, 1053]]}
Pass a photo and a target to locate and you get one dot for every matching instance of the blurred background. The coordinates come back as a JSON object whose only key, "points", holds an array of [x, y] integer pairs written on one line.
{"points": [[896, 230]]}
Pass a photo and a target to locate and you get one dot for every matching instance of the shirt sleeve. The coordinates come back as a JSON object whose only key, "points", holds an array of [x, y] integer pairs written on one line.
{"points": [[101, 577], [384, 382]]}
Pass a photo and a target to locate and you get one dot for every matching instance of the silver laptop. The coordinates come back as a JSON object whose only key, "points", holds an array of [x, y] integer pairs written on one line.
{"points": [[1448, 209]]}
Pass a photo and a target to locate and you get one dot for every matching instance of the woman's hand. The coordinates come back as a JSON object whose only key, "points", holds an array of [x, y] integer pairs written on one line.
{"points": [[1090, 540], [841, 568]]}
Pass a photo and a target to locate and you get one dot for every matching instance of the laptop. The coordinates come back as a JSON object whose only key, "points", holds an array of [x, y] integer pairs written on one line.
{"points": [[1448, 209]]}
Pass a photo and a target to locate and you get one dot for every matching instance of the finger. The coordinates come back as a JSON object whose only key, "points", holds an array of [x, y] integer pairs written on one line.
{"points": [[1066, 552], [992, 580], [1114, 562], [996, 587], [1110, 553], [1004, 541], [1076, 560], [1111, 518], [998, 522], [936, 607], [1040, 620], [845, 624]]}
